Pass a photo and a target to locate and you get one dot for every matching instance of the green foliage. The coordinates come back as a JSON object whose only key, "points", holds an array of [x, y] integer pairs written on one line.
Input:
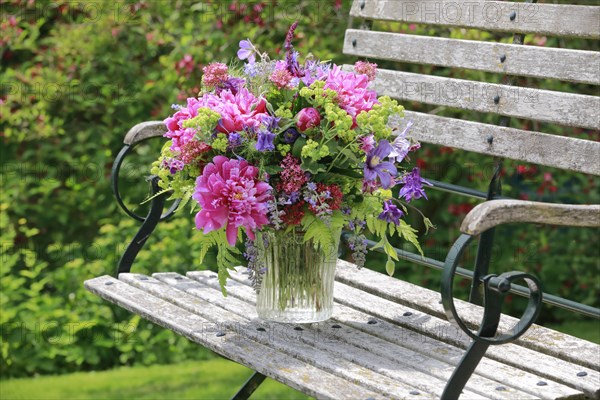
{"points": [[211, 379]]}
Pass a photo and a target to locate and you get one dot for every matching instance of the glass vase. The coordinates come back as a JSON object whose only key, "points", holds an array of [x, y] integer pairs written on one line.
{"points": [[297, 286]]}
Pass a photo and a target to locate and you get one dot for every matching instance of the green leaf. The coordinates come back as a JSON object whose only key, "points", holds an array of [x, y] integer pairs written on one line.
{"points": [[298, 145], [390, 266], [409, 234]]}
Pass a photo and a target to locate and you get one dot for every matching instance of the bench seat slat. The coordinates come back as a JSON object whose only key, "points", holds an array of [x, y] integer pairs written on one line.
{"points": [[541, 19], [305, 346], [548, 341], [414, 340], [562, 152], [330, 351], [528, 103], [272, 363], [541, 62]]}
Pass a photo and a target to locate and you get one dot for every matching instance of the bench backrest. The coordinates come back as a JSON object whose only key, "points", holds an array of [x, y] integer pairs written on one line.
{"points": [[448, 55]]}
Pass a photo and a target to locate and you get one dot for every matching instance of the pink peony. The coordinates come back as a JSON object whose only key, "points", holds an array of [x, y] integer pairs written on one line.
{"points": [[175, 130], [353, 94], [308, 118], [230, 194], [238, 111]]}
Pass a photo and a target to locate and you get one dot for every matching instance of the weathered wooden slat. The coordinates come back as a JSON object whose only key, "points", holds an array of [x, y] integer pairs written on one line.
{"points": [[547, 341], [325, 348], [496, 212], [419, 337], [541, 62], [305, 346], [513, 101], [266, 360], [144, 130], [541, 19], [539, 148]]}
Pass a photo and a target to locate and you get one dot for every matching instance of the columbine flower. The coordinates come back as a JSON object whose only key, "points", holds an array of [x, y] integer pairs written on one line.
{"points": [[230, 194], [390, 213], [265, 141], [232, 84], [413, 185], [401, 145], [374, 167], [246, 51], [290, 135], [308, 118], [214, 74], [367, 143], [366, 68]]}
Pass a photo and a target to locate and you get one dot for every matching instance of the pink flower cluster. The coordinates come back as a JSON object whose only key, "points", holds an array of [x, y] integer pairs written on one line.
{"points": [[230, 193], [215, 74], [292, 176], [238, 111], [353, 94]]}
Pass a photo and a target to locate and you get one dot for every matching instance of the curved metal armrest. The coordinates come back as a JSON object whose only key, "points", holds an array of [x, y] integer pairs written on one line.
{"points": [[143, 131], [497, 212]]}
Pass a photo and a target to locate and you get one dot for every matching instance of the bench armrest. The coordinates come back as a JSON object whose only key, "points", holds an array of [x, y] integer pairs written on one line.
{"points": [[145, 130], [496, 212]]}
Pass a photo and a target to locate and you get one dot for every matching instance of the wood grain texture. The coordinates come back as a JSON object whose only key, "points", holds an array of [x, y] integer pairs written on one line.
{"points": [[513, 101], [541, 62], [424, 352], [264, 359], [496, 212], [571, 154], [541, 19], [547, 341], [143, 131]]}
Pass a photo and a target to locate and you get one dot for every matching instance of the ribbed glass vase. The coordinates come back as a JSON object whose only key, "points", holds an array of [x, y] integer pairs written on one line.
{"points": [[297, 286]]}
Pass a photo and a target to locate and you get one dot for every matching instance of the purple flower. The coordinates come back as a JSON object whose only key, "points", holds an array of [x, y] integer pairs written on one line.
{"points": [[265, 141], [390, 213], [413, 185], [246, 51], [401, 145], [231, 84], [271, 123], [290, 135], [374, 167], [234, 139]]}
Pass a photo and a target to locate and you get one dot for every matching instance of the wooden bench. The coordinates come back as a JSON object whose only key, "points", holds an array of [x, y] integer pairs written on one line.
{"points": [[389, 338]]}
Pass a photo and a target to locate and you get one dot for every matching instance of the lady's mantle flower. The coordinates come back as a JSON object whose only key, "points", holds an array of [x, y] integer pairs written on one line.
{"points": [[413, 185], [390, 213], [230, 193], [374, 167]]}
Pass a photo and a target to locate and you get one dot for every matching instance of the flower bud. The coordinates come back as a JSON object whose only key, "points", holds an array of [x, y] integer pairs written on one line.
{"points": [[308, 118]]}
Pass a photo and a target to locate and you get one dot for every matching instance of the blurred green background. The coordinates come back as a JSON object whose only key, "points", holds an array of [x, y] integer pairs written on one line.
{"points": [[75, 76]]}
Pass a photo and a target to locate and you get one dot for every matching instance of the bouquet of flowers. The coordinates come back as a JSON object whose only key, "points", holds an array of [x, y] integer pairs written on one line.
{"points": [[284, 146]]}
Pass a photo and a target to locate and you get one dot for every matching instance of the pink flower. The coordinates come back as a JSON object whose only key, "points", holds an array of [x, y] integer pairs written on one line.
{"points": [[214, 74], [366, 68], [230, 194], [238, 111], [308, 118], [175, 130], [353, 95]]}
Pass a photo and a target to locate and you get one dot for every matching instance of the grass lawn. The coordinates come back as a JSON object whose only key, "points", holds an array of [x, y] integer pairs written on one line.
{"points": [[210, 379]]}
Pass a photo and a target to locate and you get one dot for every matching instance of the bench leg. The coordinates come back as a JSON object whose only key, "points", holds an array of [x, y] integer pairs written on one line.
{"points": [[465, 369], [249, 387]]}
